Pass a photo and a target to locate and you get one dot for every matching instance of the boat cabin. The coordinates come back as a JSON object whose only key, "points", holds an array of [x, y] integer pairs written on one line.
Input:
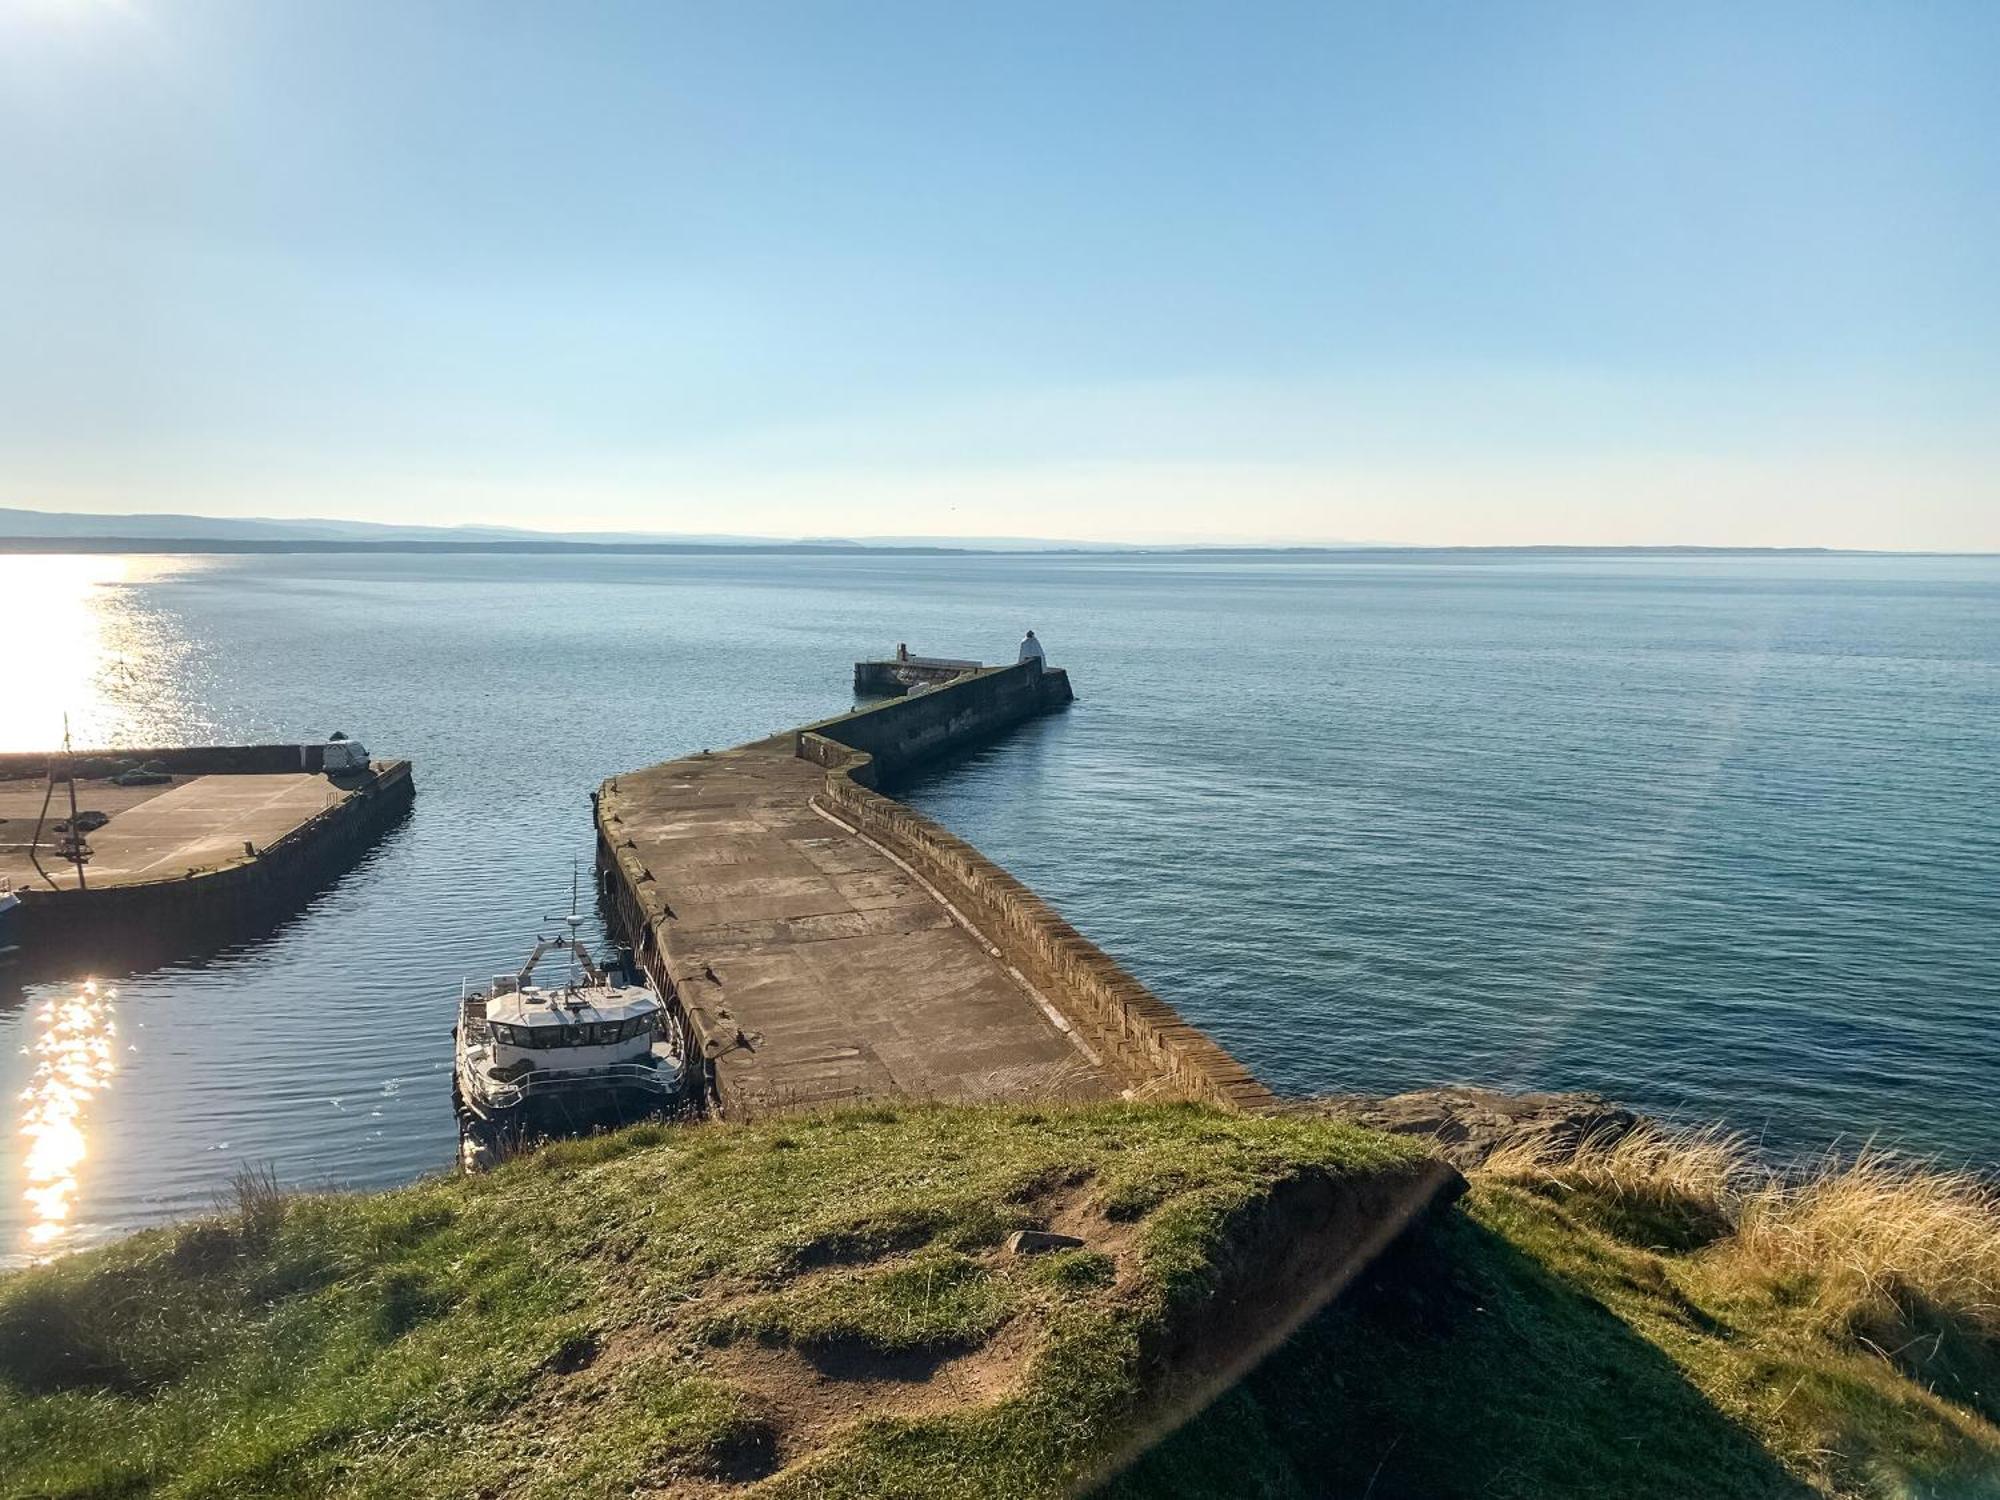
{"points": [[572, 1029]]}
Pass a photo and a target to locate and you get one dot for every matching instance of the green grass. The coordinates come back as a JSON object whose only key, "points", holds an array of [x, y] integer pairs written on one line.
{"points": [[588, 1320], [787, 1309], [934, 1302]]}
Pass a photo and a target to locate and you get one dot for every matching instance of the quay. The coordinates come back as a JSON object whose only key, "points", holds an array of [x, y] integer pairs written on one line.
{"points": [[823, 943], [204, 838]]}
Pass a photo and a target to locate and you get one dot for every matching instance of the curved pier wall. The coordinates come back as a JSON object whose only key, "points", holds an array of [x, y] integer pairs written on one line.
{"points": [[1136, 1032], [905, 732]]}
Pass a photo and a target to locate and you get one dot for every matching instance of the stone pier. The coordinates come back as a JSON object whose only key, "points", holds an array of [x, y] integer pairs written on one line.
{"points": [[825, 943], [216, 837]]}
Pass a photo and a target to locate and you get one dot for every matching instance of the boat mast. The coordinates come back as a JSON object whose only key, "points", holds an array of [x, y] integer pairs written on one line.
{"points": [[75, 839], [574, 921]]}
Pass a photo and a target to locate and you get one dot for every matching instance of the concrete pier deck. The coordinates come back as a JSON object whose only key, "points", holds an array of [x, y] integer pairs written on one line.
{"points": [[198, 823], [825, 943], [234, 831], [820, 969]]}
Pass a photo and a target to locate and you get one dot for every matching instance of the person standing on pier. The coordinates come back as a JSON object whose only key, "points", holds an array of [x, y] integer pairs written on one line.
{"points": [[1031, 650]]}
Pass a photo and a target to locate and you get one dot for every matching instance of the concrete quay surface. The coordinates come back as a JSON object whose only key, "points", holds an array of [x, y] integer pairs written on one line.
{"points": [[237, 834], [163, 832], [825, 943], [814, 967]]}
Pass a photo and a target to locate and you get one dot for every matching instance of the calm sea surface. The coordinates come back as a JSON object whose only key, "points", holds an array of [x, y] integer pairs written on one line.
{"points": [[1720, 837]]}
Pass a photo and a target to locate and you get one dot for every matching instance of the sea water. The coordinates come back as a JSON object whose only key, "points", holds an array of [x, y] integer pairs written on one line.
{"points": [[1719, 836]]}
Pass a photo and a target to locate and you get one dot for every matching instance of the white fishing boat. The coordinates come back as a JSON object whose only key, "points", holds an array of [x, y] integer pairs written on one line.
{"points": [[538, 1062]]}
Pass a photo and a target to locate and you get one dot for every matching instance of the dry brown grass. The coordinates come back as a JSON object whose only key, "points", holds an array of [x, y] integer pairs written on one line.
{"points": [[1878, 1235], [1865, 1241], [1709, 1168]]}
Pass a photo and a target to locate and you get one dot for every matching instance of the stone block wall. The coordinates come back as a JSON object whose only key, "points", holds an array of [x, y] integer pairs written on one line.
{"points": [[181, 760], [1139, 1035], [905, 732]]}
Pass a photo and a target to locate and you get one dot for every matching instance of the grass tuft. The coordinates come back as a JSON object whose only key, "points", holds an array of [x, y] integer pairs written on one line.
{"points": [[1876, 1238], [1074, 1270], [258, 1203]]}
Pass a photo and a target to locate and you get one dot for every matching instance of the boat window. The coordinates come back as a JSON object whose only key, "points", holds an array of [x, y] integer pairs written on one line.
{"points": [[574, 1036]]}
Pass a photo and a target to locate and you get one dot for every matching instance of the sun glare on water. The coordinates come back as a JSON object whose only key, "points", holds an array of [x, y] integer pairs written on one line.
{"points": [[86, 652], [75, 1057]]}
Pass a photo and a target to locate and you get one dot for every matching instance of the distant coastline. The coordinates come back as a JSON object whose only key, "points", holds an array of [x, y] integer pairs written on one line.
{"points": [[196, 545]]}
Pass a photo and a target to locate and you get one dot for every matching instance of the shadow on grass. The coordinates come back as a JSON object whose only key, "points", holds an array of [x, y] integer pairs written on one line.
{"points": [[1462, 1369]]}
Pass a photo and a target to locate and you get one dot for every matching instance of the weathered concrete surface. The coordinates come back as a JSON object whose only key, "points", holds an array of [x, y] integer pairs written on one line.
{"points": [[199, 824], [170, 872], [1136, 1033], [810, 964]]}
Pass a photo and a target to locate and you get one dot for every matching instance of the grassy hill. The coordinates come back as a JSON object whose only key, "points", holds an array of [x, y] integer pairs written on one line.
{"points": [[825, 1306]]}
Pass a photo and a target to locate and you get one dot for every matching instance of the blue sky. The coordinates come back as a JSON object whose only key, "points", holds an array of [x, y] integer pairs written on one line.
{"points": [[1425, 273]]}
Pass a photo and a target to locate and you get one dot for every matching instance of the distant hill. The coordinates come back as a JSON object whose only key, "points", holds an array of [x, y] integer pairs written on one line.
{"points": [[60, 531], [40, 525], [70, 524]]}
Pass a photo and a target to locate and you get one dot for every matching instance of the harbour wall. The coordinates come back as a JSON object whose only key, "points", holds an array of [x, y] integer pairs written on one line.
{"points": [[902, 734], [188, 910], [180, 760], [892, 679], [1139, 1036], [1138, 1033]]}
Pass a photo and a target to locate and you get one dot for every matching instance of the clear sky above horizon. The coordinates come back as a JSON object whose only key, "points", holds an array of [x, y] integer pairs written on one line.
{"points": [[1426, 273]]}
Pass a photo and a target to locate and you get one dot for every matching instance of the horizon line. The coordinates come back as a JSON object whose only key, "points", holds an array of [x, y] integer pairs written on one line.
{"points": [[554, 543]]}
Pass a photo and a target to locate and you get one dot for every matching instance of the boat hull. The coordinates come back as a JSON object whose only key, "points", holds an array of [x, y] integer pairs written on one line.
{"points": [[490, 1132]]}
